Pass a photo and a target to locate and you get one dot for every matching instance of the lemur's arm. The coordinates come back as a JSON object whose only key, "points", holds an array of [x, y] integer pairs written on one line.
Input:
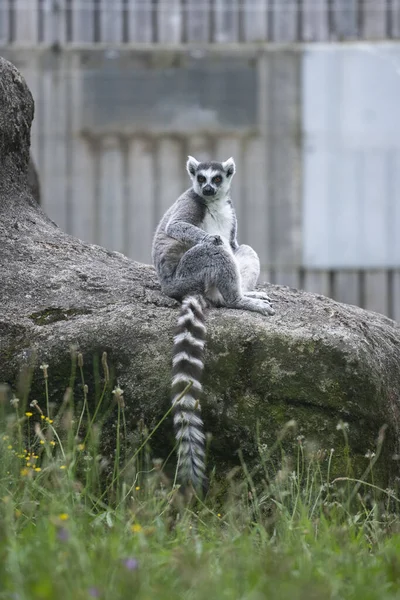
{"points": [[183, 223], [185, 232]]}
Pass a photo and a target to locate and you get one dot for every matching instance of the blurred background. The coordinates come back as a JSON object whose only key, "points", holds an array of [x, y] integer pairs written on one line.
{"points": [[304, 94]]}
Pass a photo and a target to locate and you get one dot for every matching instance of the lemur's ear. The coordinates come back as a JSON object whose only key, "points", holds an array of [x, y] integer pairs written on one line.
{"points": [[229, 167], [192, 165]]}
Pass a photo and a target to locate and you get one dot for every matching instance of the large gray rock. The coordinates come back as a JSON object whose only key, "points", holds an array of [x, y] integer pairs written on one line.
{"points": [[315, 361]]}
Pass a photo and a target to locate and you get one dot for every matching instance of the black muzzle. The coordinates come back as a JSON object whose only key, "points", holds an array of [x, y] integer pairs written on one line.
{"points": [[208, 190]]}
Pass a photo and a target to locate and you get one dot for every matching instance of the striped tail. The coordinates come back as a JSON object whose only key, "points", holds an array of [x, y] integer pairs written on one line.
{"points": [[187, 362]]}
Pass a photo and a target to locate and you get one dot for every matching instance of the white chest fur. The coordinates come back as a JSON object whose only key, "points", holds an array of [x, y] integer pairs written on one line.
{"points": [[218, 220]]}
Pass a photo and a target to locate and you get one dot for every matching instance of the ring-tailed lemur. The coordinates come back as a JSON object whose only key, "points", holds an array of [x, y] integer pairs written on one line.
{"points": [[197, 257]]}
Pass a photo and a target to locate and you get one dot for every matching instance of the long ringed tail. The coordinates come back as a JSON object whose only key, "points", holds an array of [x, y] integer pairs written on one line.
{"points": [[187, 366]]}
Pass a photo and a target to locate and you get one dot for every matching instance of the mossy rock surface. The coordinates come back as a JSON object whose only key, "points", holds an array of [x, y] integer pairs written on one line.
{"points": [[316, 361]]}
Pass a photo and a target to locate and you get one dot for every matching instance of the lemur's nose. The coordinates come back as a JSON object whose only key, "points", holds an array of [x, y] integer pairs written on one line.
{"points": [[208, 190]]}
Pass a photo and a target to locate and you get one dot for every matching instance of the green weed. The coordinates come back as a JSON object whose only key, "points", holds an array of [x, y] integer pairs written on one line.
{"points": [[74, 526]]}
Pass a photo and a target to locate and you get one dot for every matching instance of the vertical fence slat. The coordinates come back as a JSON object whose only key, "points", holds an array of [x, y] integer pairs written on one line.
{"points": [[111, 194], [290, 277], [140, 21], [33, 76], [396, 296], [265, 275], [49, 29], [347, 287], [46, 16], [26, 22], [4, 23], [314, 20], [172, 174], [198, 20], [82, 21], [345, 19], [376, 291], [140, 217], [285, 21], [255, 20], [40, 119], [373, 216], [394, 19], [54, 22], [60, 22], [226, 21], [225, 148], [83, 173], [82, 207], [317, 282], [53, 143], [111, 21], [169, 21], [374, 20], [394, 215], [255, 230], [199, 146], [285, 158]]}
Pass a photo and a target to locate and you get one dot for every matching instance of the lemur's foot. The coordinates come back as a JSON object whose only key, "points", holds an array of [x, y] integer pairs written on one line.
{"points": [[260, 295], [263, 306], [259, 305]]}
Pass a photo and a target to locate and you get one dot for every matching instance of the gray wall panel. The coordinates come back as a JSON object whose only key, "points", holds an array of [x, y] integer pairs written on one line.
{"points": [[351, 124]]}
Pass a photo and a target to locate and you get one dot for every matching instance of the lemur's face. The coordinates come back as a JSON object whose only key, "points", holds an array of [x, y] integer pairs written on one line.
{"points": [[211, 180]]}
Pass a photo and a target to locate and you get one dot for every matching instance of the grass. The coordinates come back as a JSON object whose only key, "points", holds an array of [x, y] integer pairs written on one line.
{"points": [[73, 526]]}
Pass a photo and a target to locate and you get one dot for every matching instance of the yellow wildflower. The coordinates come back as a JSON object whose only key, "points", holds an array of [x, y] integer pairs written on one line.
{"points": [[81, 446], [29, 414], [24, 472], [52, 443], [136, 528], [42, 442], [37, 469], [63, 467], [63, 516], [137, 488], [9, 446]]}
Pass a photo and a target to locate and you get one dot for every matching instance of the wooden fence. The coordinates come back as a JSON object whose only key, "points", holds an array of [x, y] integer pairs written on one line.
{"points": [[29, 22]]}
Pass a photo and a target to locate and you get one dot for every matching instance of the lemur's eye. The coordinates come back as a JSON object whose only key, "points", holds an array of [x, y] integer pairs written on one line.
{"points": [[201, 178], [217, 179]]}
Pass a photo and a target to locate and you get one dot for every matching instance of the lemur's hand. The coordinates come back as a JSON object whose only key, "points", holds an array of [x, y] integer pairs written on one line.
{"points": [[216, 240]]}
